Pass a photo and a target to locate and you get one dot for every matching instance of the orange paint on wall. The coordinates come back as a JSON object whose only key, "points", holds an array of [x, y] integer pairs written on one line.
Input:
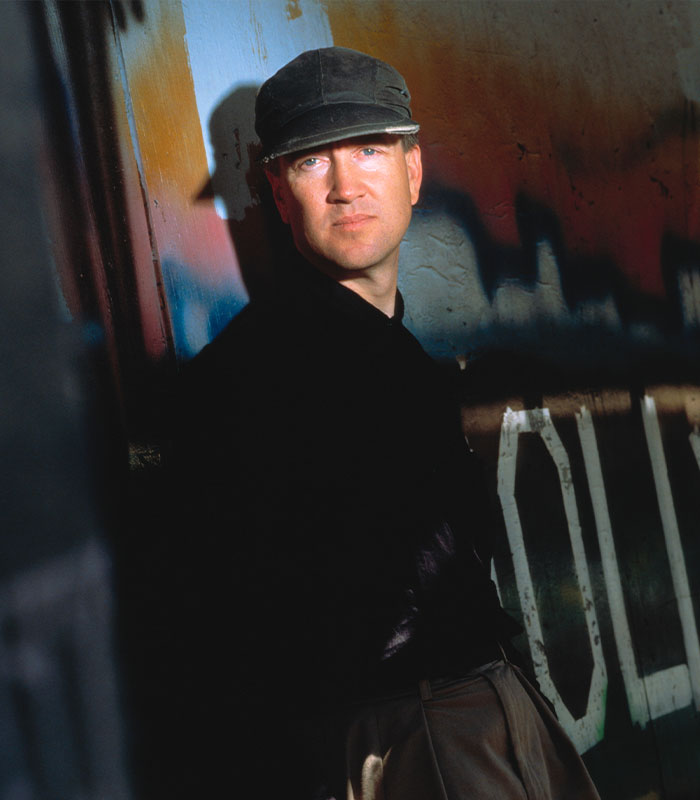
{"points": [[578, 106], [155, 325], [172, 151]]}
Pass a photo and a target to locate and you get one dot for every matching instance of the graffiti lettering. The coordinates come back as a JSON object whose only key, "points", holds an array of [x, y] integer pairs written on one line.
{"points": [[587, 730], [648, 696], [679, 573]]}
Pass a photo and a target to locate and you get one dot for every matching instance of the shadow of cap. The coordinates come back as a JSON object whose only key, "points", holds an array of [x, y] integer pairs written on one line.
{"points": [[259, 237], [235, 146]]}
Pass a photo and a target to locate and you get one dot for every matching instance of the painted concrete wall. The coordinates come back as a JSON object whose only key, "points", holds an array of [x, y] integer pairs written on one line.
{"points": [[555, 253]]}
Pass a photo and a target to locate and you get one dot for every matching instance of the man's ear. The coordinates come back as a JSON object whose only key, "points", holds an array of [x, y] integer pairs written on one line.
{"points": [[275, 182], [414, 164]]}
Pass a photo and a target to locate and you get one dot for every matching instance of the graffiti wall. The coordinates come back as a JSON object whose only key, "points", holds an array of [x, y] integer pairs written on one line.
{"points": [[555, 254]]}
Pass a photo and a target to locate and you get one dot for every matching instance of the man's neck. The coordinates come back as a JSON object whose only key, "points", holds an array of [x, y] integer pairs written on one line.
{"points": [[380, 291], [377, 285]]}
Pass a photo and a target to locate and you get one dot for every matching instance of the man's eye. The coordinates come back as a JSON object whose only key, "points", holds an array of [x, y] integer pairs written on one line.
{"points": [[309, 162], [368, 151]]}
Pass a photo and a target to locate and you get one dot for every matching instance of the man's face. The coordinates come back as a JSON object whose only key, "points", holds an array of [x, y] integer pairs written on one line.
{"points": [[349, 203]]}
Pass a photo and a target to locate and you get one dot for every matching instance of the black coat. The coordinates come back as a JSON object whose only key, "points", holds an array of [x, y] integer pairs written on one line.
{"points": [[336, 505]]}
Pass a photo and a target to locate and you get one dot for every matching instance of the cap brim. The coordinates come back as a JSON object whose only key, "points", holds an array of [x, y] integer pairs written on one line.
{"points": [[334, 122]]}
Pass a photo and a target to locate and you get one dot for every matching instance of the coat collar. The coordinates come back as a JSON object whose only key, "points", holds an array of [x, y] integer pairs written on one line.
{"points": [[313, 291]]}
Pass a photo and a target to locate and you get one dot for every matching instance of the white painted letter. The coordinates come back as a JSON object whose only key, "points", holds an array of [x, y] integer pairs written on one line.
{"points": [[679, 573], [588, 730], [663, 691]]}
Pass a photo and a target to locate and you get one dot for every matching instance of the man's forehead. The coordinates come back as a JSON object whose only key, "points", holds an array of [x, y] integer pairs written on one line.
{"points": [[385, 139]]}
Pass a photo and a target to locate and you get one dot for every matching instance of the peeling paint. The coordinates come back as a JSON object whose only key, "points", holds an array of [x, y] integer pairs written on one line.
{"points": [[293, 10]]}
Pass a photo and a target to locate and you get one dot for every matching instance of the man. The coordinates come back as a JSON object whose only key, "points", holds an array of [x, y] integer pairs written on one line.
{"points": [[347, 518]]}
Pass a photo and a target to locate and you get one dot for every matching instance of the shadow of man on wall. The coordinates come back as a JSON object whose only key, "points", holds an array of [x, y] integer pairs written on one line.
{"points": [[260, 238]]}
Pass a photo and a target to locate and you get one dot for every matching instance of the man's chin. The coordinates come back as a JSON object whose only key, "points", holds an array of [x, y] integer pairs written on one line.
{"points": [[345, 264], [340, 266]]}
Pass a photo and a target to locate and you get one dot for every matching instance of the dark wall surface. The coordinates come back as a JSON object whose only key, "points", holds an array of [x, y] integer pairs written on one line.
{"points": [[61, 725]]}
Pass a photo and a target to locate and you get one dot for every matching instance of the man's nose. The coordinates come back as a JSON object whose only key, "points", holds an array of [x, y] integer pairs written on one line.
{"points": [[346, 182]]}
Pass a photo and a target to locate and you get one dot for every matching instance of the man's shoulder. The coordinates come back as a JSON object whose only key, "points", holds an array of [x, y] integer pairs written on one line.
{"points": [[260, 345], [253, 331]]}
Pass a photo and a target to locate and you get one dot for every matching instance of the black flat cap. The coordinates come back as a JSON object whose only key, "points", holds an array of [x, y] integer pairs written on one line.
{"points": [[327, 95]]}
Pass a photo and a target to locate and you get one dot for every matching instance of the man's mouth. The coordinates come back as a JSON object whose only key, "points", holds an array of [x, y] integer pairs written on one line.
{"points": [[352, 222]]}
